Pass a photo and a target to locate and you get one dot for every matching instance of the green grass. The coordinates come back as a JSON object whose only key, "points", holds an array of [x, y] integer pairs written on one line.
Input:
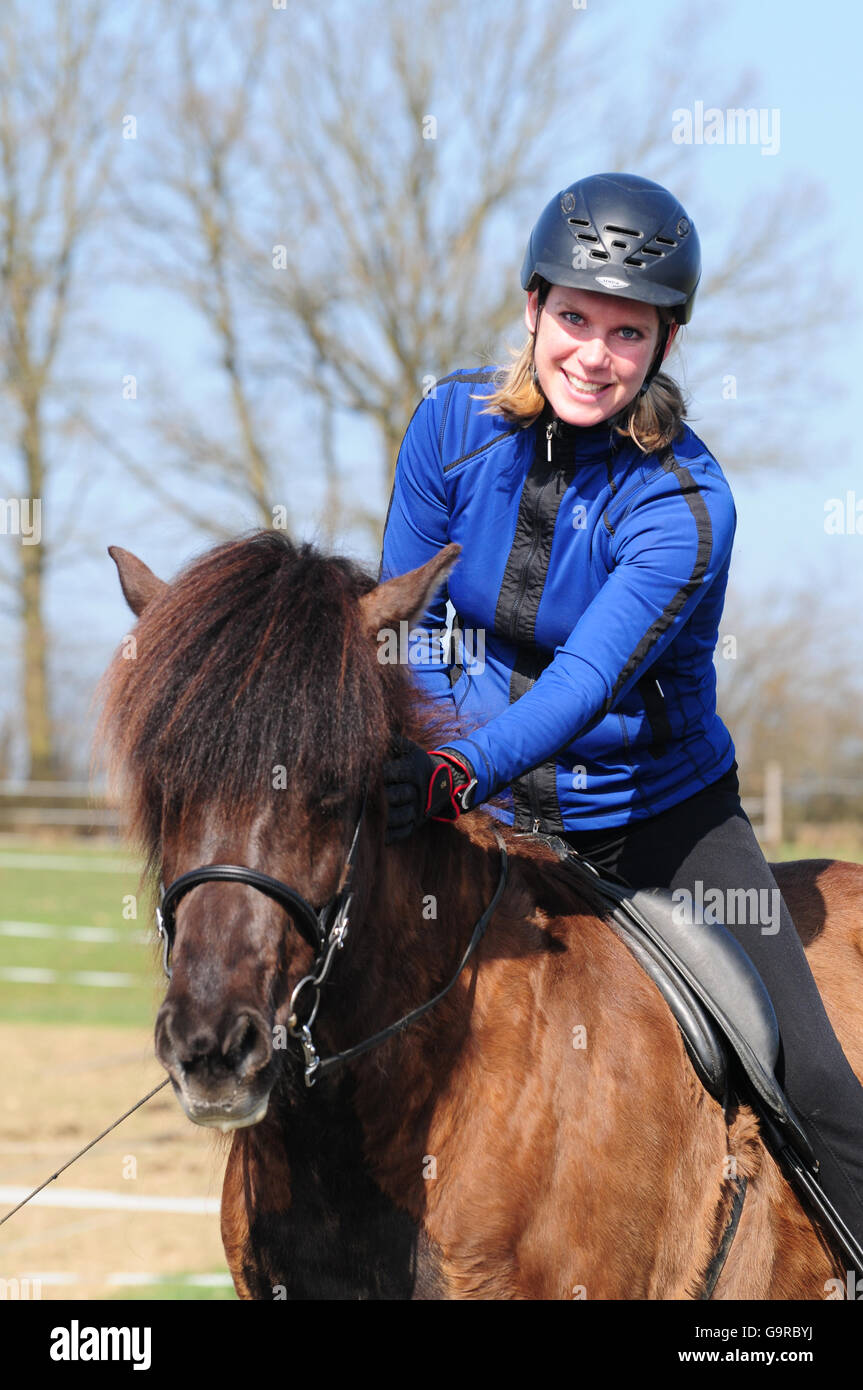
{"points": [[840, 847], [89, 897]]}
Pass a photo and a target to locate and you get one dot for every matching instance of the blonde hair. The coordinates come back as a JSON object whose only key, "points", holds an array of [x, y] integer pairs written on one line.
{"points": [[651, 421]]}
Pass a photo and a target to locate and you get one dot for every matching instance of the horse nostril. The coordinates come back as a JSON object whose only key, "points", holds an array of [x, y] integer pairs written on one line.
{"points": [[244, 1043], [238, 1044], [197, 1048]]}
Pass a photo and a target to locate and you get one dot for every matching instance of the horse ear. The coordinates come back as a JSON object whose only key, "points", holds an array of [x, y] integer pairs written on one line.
{"points": [[139, 584], [408, 595]]}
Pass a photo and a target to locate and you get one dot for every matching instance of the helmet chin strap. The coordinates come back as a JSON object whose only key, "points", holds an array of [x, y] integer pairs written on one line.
{"points": [[657, 359], [541, 298]]}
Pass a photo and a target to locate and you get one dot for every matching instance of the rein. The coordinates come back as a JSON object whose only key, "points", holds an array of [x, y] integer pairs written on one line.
{"points": [[478, 932], [326, 930]]}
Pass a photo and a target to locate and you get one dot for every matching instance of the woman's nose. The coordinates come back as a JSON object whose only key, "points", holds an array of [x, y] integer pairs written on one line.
{"points": [[594, 353]]}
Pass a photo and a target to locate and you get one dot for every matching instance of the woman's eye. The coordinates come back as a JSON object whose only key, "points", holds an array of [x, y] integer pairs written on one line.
{"points": [[571, 314], [634, 332]]}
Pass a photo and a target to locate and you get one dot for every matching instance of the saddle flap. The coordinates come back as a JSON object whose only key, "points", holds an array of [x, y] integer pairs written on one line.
{"points": [[717, 968], [721, 967], [711, 962]]}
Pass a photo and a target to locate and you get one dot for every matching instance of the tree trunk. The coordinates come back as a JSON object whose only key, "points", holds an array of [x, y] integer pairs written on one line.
{"points": [[37, 713]]}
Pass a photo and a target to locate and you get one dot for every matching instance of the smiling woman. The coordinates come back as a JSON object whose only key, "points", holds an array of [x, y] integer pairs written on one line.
{"points": [[596, 532], [594, 350]]}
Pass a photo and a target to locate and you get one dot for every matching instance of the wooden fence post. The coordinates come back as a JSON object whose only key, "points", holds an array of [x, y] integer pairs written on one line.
{"points": [[772, 830]]}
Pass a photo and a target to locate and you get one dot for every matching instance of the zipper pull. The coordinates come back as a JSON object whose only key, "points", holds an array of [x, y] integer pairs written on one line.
{"points": [[535, 830], [548, 429]]}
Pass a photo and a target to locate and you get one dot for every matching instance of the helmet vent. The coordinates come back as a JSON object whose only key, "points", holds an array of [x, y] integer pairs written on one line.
{"points": [[632, 260], [599, 255], [624, 245], [579, 221], [586, 236], [650, 251], [623, 231], [664, 240]]}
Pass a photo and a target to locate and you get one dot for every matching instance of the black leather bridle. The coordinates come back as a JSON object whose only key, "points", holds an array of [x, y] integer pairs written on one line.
{"points": [[315, 926], [325, 929]]}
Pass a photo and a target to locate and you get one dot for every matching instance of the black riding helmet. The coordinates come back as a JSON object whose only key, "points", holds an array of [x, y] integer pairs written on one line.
{"points": [[617, 234]]}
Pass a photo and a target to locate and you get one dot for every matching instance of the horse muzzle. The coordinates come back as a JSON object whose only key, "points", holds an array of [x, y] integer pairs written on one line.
{"points": [[221, 1071]]}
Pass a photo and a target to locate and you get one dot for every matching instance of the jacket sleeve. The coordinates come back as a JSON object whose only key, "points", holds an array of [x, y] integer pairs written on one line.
{"points": [[417, 527], [668, 548]]}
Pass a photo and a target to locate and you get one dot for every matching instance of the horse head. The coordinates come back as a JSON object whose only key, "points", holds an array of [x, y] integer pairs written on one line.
{"points": [[246, 720]]}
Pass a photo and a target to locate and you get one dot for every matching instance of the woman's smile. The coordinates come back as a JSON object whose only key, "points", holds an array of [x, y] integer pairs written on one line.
{"points": [[581, 387]]}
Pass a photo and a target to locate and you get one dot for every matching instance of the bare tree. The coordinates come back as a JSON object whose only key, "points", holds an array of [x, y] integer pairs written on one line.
{"points": [[59, 128], [789, 689], [186, 207], [342, 196], [336, 230]]}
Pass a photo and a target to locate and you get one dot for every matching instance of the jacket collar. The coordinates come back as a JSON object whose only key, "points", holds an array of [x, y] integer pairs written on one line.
{"points": [[576, 444]]}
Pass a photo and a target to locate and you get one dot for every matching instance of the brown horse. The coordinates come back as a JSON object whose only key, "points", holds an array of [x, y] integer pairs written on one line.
{"points": [[538, 1134]]}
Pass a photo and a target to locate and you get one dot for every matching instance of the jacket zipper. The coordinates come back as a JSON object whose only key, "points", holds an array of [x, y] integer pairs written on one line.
{"points": [[532, 800], [534, 543], [531, 776], [656, 711]]}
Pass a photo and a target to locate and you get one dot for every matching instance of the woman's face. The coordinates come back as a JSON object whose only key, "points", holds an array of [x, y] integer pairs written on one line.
{"points": [[592, 351]]}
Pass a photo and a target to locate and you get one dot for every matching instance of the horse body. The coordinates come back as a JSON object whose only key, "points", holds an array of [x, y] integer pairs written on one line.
{"points": [[486, 1155], [540, 1133]]}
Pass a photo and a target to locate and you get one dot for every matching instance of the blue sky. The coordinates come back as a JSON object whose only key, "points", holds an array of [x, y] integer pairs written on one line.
{"points": [[804, 61], [807, 59]]}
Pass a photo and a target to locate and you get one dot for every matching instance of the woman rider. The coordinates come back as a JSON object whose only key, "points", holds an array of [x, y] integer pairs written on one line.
{"points": [[597, 530]]}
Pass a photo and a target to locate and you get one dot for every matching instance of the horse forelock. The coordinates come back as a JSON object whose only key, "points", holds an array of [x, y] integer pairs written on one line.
{"points": [[253, 660]]}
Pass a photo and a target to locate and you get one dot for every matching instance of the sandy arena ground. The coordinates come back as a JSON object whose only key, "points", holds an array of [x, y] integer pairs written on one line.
{"points": [[61, 1086]]}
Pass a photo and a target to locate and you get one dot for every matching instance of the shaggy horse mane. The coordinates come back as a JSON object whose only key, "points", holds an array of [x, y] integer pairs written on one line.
{"points": [[252, 659]]}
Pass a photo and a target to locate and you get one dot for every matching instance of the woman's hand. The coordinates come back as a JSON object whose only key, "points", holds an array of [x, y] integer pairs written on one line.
{"points": [[424, 786]]}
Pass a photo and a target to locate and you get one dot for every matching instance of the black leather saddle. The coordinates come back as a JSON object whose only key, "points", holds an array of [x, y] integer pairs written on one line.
{"points": [[715, 993]]}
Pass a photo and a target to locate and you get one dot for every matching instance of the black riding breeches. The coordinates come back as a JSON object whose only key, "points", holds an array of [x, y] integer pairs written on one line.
{"points": [[706, 845]]}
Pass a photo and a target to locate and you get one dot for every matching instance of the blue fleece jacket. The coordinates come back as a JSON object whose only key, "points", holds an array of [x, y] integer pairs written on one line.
{"points": [[588, 598]]}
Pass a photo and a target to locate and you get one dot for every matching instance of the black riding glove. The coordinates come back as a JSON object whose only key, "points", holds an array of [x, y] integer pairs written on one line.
{"points": [[420, 786]]}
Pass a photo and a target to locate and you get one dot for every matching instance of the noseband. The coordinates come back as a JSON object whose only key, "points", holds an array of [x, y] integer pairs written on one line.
{"points": [[314, 925], [325, 929]]}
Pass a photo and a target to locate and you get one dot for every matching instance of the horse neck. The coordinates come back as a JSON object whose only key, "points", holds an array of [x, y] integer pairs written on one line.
{"points": [[420, 907]]}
